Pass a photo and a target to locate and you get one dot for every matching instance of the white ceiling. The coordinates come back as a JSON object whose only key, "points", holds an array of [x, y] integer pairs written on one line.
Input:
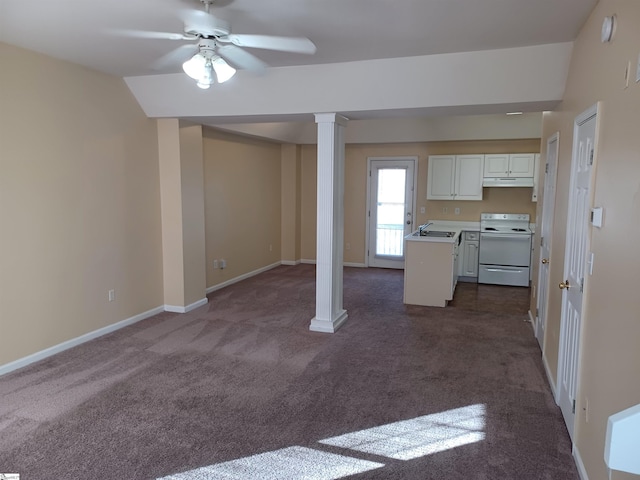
{"points": [[343, 30], [82, 31]]}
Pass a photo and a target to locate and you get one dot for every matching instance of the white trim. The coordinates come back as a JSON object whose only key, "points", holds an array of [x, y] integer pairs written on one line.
{"points": [[188, 308], [550, 379], [329, 325], [344, 264], [531, 319], [242, 277], [61, 347], [290, 262], [582, 471]]}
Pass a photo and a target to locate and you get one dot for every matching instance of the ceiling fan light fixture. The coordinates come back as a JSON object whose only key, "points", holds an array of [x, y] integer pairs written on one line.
{"points": [[206, 70]]}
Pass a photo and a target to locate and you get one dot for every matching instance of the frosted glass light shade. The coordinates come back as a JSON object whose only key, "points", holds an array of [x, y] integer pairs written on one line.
{"points": [[207, 70], [224, 71]]}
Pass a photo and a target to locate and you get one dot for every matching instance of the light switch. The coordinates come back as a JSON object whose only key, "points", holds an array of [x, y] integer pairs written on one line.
{"points": [[596, 217]]}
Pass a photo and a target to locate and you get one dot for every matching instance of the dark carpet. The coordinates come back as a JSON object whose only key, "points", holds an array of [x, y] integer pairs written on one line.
{"points": [[410, 392]]}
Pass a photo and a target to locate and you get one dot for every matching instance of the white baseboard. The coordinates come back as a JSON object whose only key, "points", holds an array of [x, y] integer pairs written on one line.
{"points": [[188, 308], [61, 347], [552, 385], [290, 262], [242, 277], [579, 464], [345, 264], [531, 319]]}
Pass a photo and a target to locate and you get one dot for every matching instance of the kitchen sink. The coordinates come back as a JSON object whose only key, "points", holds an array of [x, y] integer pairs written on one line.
{"points": [[433, 233]]}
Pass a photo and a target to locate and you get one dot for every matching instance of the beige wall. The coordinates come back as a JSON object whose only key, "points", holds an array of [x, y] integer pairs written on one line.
{"points": [[242, 204], [510, 200], [79, 203], [290, 202], [610, 353]]}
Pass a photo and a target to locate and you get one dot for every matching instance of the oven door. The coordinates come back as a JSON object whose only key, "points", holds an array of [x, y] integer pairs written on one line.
{"points": [[505, 249]]}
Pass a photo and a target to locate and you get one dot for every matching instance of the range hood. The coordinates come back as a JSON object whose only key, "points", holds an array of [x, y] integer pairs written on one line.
{"points": [[507, 182]]}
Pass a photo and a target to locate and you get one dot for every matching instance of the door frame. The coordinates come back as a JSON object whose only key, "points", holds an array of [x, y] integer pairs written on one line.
{"points": [[548, 210], [593, 111], [370, 160]]}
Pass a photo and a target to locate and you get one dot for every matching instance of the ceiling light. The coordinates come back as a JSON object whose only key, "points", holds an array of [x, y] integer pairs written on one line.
{"points": [[514, 113], [207, 68]]}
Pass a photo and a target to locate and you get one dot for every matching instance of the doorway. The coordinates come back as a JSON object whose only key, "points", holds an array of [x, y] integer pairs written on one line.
{"points": [[390, 209], [576, 252], [546, 230]]}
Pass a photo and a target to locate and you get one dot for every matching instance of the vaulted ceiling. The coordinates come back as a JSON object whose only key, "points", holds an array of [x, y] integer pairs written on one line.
{"points": [[354, 38]]}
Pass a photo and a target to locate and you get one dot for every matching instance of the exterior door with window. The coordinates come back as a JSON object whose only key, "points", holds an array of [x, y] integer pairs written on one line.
{"points": [[390, 210]]}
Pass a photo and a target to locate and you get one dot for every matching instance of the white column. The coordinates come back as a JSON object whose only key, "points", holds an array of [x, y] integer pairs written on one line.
{"points": [[330, 224]]}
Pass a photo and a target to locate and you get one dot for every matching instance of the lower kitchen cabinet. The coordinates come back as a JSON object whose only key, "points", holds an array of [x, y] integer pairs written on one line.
{"points": [[430, 272], [470, 247]]}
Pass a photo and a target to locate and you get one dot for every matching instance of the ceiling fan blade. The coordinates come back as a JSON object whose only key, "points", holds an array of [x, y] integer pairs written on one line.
{"points": [[270, 42], [176, 56], [238, 58], [203, 23], [152, 35]]}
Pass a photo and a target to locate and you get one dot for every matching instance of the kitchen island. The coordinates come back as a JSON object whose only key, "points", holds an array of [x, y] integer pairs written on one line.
{"points": [[431, 266]]}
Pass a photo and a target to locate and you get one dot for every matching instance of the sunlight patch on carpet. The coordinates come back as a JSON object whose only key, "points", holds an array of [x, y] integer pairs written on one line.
{"points": [[418, 436], [292, 462]]}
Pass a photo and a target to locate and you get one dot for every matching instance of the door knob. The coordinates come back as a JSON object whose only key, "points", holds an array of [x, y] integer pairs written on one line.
{"points": [[564, 285], [545, 261]]}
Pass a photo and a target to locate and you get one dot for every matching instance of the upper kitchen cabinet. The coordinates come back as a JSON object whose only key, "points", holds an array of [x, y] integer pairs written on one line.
{"points": [[455, 177], [509, 165]]}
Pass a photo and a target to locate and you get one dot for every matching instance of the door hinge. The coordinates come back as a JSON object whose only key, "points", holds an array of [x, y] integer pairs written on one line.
{"points": [[573, 408], [582, 285], [591, 157], [537, 312], [541, 241], [546, 168]]}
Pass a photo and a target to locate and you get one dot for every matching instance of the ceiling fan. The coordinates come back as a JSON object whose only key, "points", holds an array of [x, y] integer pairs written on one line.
{"points": [[217, 53]]}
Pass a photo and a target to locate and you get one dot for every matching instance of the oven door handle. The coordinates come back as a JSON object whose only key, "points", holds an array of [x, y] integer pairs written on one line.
{"points": [[524, 237]]}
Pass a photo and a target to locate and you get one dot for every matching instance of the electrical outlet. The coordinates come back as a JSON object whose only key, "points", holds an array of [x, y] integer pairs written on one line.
{"points": [[270, 248], [223, 263], [112, 295], [423, 210], [215, 264], [445, 210], [347, 246], [457, 211]]}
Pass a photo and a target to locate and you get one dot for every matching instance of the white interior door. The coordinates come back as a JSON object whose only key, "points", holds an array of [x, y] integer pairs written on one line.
{"points": [[391, 187], [546, 230], [577, 243]]}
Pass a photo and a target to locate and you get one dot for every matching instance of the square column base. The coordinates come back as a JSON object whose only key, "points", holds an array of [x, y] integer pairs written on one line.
{"points": [[328, 325]]}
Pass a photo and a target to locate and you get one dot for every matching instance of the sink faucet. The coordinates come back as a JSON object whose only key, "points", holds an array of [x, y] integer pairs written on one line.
{"points": [[424, 227]]}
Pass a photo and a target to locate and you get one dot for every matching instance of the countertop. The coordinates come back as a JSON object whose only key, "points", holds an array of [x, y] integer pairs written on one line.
{"points": [[445, 226]]}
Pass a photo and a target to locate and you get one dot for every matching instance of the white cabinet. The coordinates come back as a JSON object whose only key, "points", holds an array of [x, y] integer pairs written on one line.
{"points": [[455, 177], [509, 165], [470, 245], [429, 273]]}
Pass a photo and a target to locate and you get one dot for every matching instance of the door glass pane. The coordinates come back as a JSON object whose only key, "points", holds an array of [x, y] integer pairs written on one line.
{"points": [[390, 211]]}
